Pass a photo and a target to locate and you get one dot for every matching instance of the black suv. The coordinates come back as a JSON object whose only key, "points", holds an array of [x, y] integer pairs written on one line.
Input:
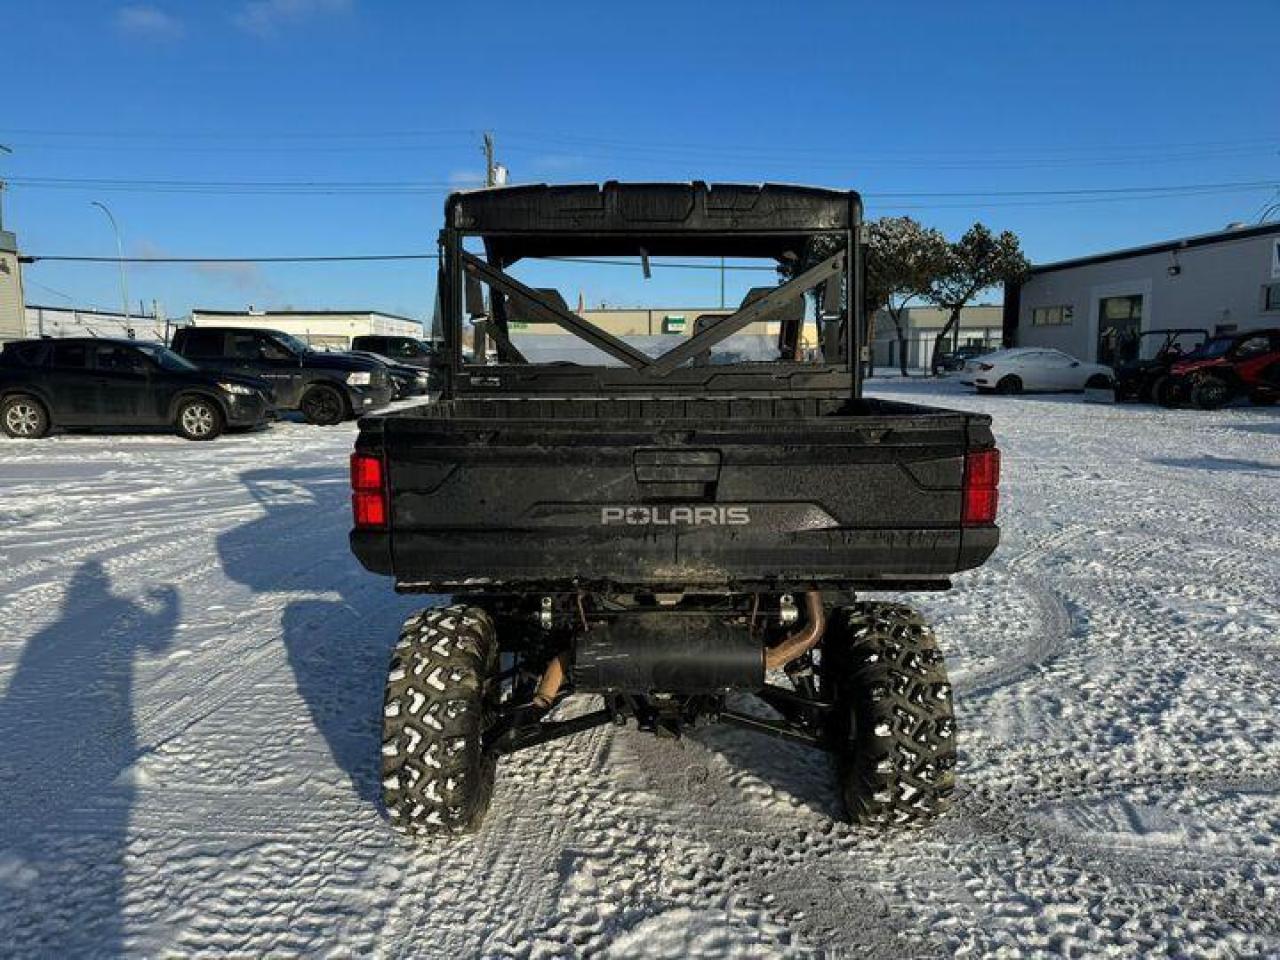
{"points": [[90, 382], [326, 387]]}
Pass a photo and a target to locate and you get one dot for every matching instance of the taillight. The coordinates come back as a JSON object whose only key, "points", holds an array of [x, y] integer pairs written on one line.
{"points": [[368, 491], [981, 487]]}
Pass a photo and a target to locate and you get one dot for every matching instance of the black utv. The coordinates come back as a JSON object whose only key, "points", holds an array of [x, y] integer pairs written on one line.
{"points": [[677, 523], [1144, 367]]}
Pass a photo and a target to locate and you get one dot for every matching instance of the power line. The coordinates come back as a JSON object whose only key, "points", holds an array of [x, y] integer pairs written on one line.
{"points": [[31, 258], [224, 187], [438, 186], [355, 258]]}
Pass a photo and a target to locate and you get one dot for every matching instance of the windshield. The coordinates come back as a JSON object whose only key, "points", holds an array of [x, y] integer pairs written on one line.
{"points": [[1216, 348], [166, 358]]}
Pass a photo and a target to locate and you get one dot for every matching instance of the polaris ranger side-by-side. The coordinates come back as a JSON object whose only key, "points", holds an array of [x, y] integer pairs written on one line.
{"points": [[672, 519]]}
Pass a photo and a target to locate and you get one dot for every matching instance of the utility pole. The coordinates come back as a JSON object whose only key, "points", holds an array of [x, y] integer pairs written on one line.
{"points": [[489, 178], [124, 284], [495, 174], [3, 149]]}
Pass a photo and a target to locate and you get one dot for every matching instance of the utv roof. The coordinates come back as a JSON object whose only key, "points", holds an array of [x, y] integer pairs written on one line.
{"points": [[680, 219]]}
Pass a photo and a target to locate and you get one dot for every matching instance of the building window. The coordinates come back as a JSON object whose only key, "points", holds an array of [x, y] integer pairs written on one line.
{"points": [[1271, 296], [1051, 316]]}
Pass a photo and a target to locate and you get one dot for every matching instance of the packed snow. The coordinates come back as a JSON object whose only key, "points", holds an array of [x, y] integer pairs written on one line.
{"points": [[191, 675]]}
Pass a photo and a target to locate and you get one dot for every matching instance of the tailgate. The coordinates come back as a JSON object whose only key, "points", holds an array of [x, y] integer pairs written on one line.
{"points": [[837, 500]]}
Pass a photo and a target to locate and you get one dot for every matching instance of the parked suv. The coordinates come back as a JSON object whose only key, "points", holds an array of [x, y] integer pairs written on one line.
{"points": [[326, 387], [1238, 364], [91, 382]]}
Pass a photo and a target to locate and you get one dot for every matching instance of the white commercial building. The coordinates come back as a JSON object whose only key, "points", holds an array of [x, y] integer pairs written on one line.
{"points": [[1096, 307], [980, 325], [319, 328], [74, 322]]}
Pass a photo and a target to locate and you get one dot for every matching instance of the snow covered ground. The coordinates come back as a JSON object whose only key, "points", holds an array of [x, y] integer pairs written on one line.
{"points": [[191, 669]]}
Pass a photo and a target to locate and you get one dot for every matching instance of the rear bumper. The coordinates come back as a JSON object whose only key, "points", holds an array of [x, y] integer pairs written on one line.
{"points": [[459, 560]]}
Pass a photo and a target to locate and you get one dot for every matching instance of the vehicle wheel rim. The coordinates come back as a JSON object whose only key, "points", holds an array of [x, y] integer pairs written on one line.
{"points": [[323, 406], [23, 419], [197, 420]]}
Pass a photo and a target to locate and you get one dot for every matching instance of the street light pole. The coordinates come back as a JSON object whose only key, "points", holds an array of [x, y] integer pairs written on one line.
{"points": [[124, 284]]}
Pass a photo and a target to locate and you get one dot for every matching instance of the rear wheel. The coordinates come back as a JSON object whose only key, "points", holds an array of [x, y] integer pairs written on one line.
{"points": [[1010, 384], [894, 728], [1164, 390], [199, 419], [1099, 381], [323, 405], [24, 417], [437, 778], [1211, 393]]}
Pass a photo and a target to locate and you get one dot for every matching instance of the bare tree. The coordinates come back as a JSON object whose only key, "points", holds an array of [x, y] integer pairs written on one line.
{"points": [[977, 261]]}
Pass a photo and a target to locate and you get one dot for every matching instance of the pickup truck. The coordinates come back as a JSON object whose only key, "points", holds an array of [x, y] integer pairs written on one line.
{"points": [[658, 521], [326, 387]]}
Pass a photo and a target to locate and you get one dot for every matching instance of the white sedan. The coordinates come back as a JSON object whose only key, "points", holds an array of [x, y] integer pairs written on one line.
{"points": [[1034, 368]]}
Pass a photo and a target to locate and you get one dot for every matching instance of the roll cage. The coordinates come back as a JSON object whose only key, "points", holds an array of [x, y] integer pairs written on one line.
{"points": [[814, 233]]}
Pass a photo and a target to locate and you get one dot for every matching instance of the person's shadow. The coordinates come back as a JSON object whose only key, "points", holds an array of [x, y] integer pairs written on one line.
{"points": [[69, 769], [338, 645]]}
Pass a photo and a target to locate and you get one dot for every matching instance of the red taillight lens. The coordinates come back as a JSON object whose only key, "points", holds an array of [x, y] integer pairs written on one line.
{"points": [[366, 472], [369, 493], [981, 483], [369, 509]]}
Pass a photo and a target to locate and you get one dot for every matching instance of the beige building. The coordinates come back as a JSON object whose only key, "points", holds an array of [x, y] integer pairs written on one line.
{"points": [[981, 324], [658, 321], [319, 328], [12, 326]]}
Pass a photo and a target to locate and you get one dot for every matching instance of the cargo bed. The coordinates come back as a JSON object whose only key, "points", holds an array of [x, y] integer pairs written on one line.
{"points": [[647, 493]]}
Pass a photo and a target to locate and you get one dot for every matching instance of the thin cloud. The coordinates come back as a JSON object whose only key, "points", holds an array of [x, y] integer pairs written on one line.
{"points": [[244, 278], [267, 17], [148, 22]]}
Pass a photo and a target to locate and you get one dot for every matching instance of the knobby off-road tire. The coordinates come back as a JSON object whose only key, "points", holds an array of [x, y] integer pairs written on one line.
{"points": [[436, 775], [1211, 393], [1165, 391], [894, 727]]}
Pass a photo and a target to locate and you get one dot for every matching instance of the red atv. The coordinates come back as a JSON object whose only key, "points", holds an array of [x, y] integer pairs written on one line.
{"points": [[1228, 366]]}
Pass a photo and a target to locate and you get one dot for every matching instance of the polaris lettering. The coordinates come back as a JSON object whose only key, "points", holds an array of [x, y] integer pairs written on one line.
{"points": [[675, 516]]}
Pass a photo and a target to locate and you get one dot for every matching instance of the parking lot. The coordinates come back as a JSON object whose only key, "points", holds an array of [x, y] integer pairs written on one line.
{"points": [[192, 670]]}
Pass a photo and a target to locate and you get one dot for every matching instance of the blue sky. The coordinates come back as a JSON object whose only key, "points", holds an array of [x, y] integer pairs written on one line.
{"points": [[905, 98]]}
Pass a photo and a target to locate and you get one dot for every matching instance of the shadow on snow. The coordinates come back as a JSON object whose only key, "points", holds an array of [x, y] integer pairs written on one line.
{"points": [[67, 777]]}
